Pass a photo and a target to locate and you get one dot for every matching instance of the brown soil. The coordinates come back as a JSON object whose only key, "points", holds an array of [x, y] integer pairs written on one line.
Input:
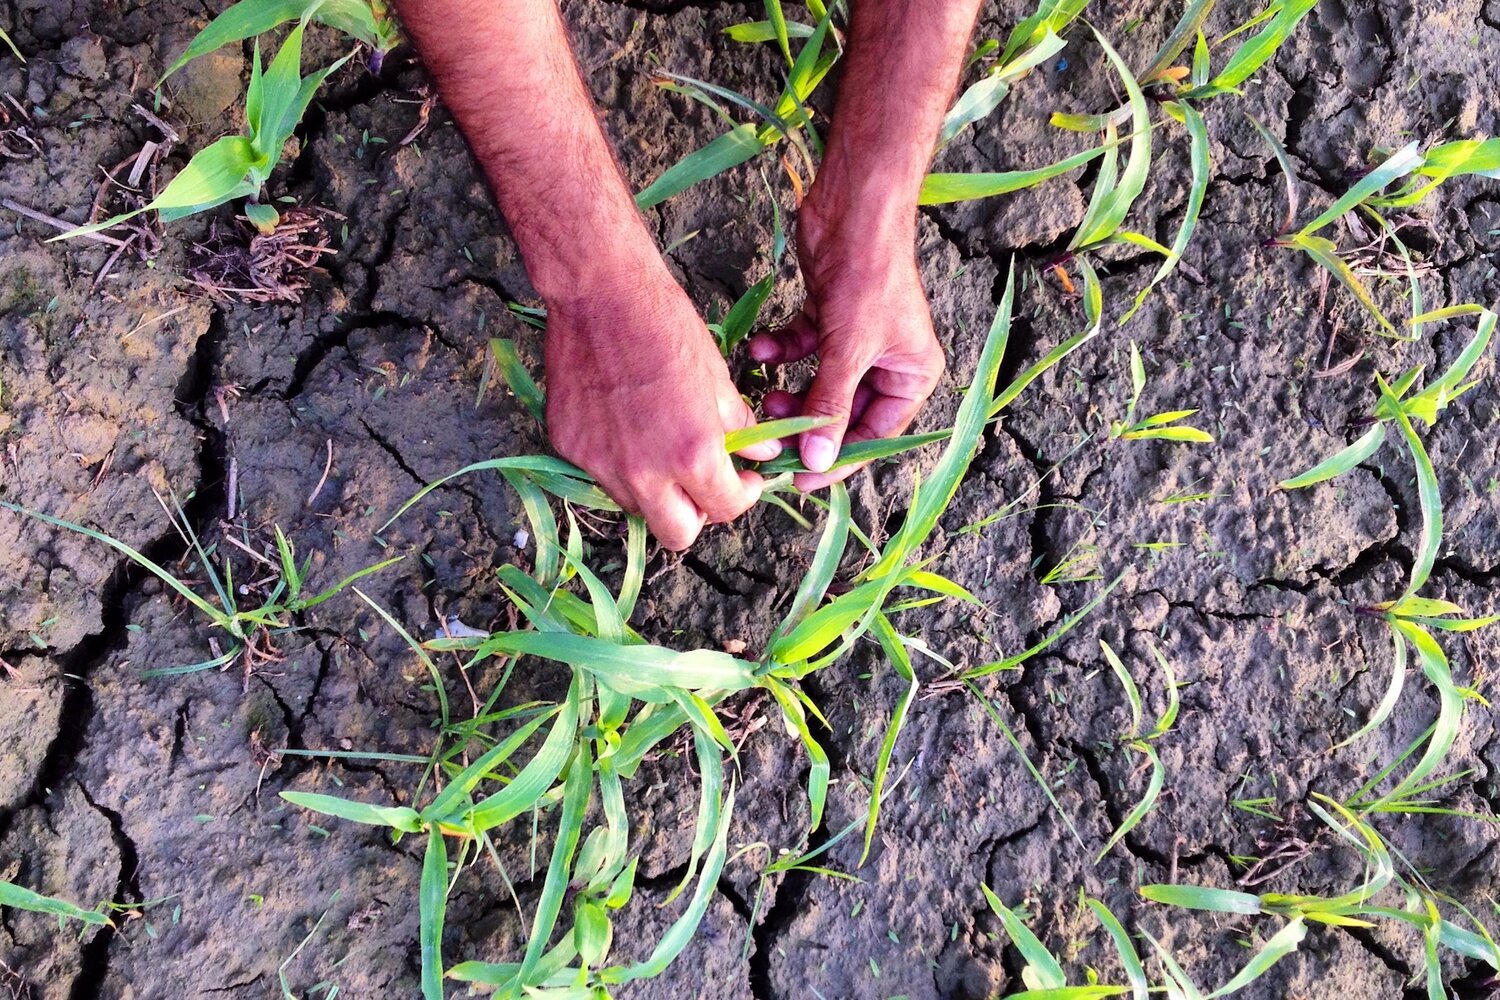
{"points": [[128, 789]]}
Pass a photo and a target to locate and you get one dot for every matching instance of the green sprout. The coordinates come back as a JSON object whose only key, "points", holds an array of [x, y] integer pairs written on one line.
{"points": [[19, 897], [1140, 742], [247, 628], [1158, 428]]}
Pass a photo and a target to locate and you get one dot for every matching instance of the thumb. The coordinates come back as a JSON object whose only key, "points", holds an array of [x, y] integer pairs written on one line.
{"points": [[831, 396], [735, 414]]}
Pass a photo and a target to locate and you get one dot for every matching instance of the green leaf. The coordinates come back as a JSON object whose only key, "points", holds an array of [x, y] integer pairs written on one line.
{"points": [[684, 927], [1199, 898], [1187, 27], [824, 564], [1130, 959], [1146, 803], [575, 801], [217, 173], [1282, 944], [1368, 444], [534, 780], [1093, 306], [944, 189], [629, 668], [740, 319], [777, 19], [397, 817], [895, 651], [1325, 253], [1107, 212], [734, 147], [592, 931], [21, 898], [1396, 166], [456, 792], [1256, 51], [765, 31], [518, 379], [249, 18], [214, 614], [432, 906], [857, 453], [771, 430], [1202, 170], [1428, 497], [1042, 969]]}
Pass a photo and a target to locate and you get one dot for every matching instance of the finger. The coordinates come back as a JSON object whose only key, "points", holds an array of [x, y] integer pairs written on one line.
{"points": [[737, 415], [671, 515], [780, 404], [721, 492], [831, 396], [793, 342], [883, 417]]}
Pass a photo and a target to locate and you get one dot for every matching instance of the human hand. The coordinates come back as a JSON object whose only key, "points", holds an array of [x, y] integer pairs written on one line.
{"points": [[638, 396], [867, 318]]}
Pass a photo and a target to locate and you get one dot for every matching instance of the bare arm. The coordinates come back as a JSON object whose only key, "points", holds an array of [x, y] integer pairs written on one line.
{"points": [[866, 314], [637, 392]]}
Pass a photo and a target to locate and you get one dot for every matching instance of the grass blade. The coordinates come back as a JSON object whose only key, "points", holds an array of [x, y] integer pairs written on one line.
{"points": [[729, 150], [1345, 461], [945, 189], [433, 904]]}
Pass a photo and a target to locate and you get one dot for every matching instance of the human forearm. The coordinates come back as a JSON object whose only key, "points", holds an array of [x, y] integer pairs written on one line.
{"points": [[900, 71], [505, 71]]}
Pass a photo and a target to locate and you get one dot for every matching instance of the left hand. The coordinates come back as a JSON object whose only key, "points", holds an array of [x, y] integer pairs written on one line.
{"points": [[867, 318]]}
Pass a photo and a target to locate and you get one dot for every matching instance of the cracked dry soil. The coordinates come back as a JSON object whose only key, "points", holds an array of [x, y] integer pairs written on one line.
{"points": [[114, 787]]}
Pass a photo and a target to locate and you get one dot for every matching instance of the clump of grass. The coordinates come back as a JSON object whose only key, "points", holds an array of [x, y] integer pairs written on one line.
{"points": [[1161, 427], [238, 166], [1359, 907], [249, 629], [1043, 974], [1364, 205], [625, 696], [788, 119], [1413, 618]]}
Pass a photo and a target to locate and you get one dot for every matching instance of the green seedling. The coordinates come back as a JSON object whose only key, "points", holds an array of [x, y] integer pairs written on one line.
{"points": [[366, 21], [18, 897], [238, 166], [1368, 199], [1043, 974], [247, 628], [1357, 908], [1032, 42], [1179, 89], [745, 313], [1411, 618], [626, 696], [1140, 742], [1163, 426], [1424, 406], [785, 120], [776, 27], [11, 45]]}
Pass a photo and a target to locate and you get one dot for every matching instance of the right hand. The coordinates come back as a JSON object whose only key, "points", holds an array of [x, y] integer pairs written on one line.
{"points": [[639, 397]]}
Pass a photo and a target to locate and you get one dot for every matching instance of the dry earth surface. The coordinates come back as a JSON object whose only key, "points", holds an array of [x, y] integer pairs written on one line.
{"points": [[129, 789]]}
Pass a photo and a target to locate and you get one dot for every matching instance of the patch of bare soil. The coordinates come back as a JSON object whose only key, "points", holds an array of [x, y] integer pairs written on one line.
{"points": [[124, 382]]}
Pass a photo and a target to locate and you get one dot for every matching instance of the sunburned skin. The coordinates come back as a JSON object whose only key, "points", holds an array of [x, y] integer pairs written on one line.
{"points": [[638, 394]]}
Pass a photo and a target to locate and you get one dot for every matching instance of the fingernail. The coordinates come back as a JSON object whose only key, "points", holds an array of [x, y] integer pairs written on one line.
{"points": [[818, 454], [762, 350]]}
